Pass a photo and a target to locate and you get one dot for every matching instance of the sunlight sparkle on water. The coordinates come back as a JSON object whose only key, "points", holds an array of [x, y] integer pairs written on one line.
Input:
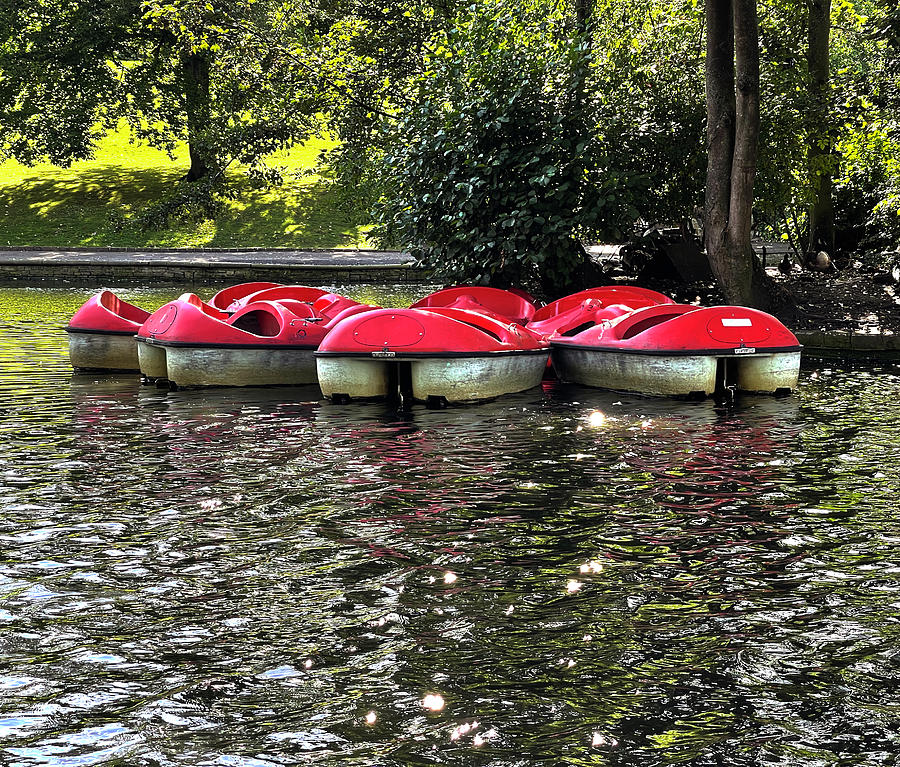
{"points": [[481, 739], [596, 419], [449, 577], [433, 702], [463, 729], [371, 718], [572, 585]]}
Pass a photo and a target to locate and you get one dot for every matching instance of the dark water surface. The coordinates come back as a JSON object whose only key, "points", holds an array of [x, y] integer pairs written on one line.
{"points": [[242, 577]]}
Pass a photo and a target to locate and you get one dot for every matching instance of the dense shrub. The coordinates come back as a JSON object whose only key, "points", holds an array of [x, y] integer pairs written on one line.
{"points": [[497, 167]]}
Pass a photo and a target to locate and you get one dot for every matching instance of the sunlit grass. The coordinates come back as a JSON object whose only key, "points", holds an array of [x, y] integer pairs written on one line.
{"points": [[85, 205]]}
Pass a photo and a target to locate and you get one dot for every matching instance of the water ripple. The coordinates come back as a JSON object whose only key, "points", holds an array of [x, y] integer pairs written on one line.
{"points": [[565, 576]]}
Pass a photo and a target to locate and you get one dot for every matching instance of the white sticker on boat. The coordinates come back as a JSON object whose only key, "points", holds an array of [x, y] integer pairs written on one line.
{"points": [[745, 350], [737, 322], [385, 353]]}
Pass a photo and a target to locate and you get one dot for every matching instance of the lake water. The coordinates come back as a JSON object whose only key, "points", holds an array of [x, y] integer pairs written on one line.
{"points": [[258, 577]]}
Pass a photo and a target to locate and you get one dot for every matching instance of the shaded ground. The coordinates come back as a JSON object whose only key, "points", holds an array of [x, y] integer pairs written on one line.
{"points": [[863, 296], [848, 300], [97, 208]]}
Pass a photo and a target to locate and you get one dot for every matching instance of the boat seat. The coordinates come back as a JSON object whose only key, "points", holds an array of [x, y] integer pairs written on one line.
{"points": [[227, 296], [259, 322], [111, 302], [194, 300]]}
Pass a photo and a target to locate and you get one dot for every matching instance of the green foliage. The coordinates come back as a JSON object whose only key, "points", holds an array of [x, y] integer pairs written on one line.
{"points": [[208, 72], [878, 143], [458, 150], [782, 183], [491, 164], [864, 157], [644, 119], [493, 136], [514, 146], [369, 54], [649, 81]]}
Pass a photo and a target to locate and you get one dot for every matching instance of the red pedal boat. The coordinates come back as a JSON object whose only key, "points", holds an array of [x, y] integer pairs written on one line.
{"points": [[506, 305], [227, 296], [681, 350], [302, 293], [436, 354], [263, 343], [588, 307], [102, 333]]}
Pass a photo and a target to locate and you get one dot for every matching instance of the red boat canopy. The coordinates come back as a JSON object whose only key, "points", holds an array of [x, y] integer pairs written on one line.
{"points": [[428, 332], [685, 329], [493, 302], [106, 312], [227, 296]]}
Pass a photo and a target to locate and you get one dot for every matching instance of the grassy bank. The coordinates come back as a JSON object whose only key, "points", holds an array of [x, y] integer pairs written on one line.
{"points": [[86, 204]]}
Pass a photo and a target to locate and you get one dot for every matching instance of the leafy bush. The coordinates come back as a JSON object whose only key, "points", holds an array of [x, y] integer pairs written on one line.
{"points": [[648, 81], [495, 165], [524, 137]]}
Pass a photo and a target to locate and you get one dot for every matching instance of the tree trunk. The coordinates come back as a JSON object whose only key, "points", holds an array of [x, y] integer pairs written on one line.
{"points": [[195, 83], [746, 270], [732, 102], [720, 111], [820, 141]]}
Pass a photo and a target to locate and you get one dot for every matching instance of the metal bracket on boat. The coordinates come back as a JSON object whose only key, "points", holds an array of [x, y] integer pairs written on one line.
{"points": [[306, 320]]}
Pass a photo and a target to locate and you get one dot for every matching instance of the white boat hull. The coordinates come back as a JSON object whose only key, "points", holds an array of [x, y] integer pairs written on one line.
{"points": [[454, 379], [769, 373], [674, 375], [103, 351], [152, 360], [222, 366], [354, 377]]}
